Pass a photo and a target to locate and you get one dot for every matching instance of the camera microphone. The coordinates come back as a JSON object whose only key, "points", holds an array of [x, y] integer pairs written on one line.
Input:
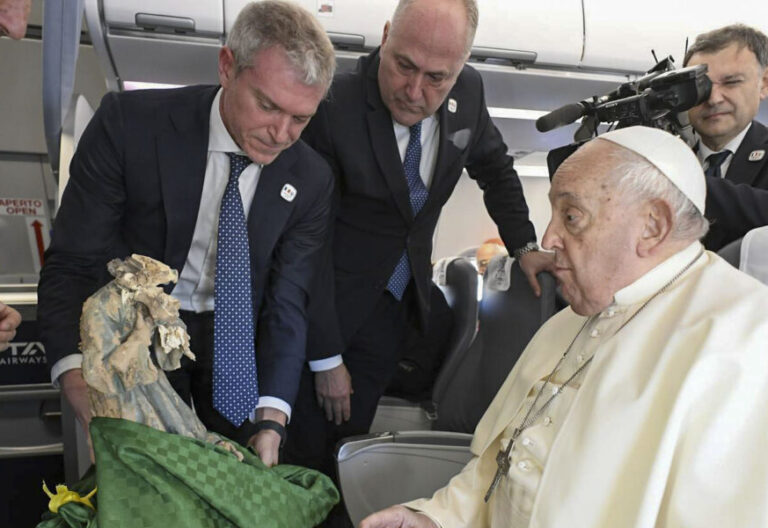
{"points": [[565, 115]]}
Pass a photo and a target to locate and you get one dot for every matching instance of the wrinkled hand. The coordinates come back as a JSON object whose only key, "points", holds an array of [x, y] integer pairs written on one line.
{"points": [[332, 388], [266, 444], [535, 262], [75, 389], [10, 319], [397, 517]]}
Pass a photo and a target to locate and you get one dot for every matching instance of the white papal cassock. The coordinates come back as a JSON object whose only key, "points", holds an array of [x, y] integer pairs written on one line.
{"points": [[666, 427]]}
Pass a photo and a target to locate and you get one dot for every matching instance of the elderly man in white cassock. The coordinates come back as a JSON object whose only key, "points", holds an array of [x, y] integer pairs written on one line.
{"points": [[644, 404]]}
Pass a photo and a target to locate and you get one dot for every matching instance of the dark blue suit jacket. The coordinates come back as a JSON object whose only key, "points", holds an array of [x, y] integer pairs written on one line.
{"points": [[135, 187], [373, 222], [739, 202]]}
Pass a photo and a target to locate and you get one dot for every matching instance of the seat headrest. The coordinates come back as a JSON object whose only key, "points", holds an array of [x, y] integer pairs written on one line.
{"points": [[498, 274], [440, 270], [754, 254]]}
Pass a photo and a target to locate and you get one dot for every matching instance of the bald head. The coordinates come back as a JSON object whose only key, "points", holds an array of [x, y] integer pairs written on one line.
{"points": [[468, 28], [423, 50]]}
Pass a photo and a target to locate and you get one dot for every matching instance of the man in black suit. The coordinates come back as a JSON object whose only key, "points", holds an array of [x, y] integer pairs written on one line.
{"points": [[149, 176], [397, 132], [733, 147]]}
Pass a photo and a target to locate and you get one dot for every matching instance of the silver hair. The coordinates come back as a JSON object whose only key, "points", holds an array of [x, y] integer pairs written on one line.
{"points": [[637, 178], [470, 7], [262, 25]]}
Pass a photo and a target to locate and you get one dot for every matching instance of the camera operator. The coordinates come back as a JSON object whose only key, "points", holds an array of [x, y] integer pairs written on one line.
{"points": [[732, 145]]}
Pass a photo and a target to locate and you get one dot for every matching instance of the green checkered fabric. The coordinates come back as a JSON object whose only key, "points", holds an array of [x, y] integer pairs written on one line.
{"points": [[152, 479]]}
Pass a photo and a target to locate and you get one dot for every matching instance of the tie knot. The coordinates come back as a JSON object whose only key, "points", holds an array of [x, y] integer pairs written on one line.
{"points": [[237, 164], [717, 159]]}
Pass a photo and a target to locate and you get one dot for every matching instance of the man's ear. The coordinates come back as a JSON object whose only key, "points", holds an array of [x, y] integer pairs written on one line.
{"points": [[385, 33], [227, 67], [659, 221], [764, 87]]}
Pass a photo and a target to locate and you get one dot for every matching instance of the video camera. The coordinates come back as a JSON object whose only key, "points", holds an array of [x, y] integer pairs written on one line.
{"points": [[658, 99]]}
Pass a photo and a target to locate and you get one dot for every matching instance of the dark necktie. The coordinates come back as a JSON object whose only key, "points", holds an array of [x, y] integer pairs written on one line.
{"points": [[715, 161], [398, 281], [235, 389]]}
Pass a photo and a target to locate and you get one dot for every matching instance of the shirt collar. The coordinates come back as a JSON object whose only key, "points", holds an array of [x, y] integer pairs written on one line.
{"points": [[427, 122], [655, 279], [733, 145], [219, 139]]}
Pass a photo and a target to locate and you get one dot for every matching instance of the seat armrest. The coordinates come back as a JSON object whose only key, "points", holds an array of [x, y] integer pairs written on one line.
{"points": [[378, 470]]}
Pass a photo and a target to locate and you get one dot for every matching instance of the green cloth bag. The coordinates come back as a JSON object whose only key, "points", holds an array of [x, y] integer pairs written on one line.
{"points": [[152, 479]]}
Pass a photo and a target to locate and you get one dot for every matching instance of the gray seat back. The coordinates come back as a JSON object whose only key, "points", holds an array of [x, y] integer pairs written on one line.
{"points": [[731, 253], [754, 254], [507, 320], [460, 290]]}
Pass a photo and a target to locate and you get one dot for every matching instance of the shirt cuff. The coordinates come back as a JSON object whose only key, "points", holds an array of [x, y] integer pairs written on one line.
{"points": [[275, 403], [66, 363], [320, 365]]}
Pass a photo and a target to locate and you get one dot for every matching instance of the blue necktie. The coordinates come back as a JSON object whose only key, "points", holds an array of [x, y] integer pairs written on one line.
{"points": [[235, 389], [398, 281], [715, 161]]}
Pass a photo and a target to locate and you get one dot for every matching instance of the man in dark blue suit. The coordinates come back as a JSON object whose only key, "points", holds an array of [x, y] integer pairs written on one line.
{"points": [[149, 176], [733, 146], [397, 132]]}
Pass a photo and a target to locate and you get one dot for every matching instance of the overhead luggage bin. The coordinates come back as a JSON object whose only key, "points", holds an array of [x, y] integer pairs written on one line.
{"points": [[168, 41], [621, 36], [546, 32]]}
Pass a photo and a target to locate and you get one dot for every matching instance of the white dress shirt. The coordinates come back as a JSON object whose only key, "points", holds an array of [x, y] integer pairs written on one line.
{"points": [[733, 145], [194, 289], [430, 136]]}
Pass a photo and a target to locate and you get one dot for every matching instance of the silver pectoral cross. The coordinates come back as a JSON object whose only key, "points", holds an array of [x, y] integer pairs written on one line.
{"points": [[502, 461]]}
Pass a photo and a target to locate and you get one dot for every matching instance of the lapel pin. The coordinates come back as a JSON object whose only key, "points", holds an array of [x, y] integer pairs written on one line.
{"points": [[756, 155], [452, 105], [288, 193]]}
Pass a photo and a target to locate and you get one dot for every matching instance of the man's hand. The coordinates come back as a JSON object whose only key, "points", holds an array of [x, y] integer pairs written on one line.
{"points": [[266, 443], [332, 388], [75, 389], [535, 262], [397, 517], [10, 319]]}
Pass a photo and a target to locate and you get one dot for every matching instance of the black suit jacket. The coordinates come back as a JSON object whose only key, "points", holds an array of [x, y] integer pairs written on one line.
{"points": [[739, 202], [135, 187], [374, 223]]}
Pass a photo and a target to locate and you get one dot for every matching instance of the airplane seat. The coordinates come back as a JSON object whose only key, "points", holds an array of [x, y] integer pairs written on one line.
{"points": [[419, 462], [731, 253], [457, 279], [509, 315], [754, 254]]}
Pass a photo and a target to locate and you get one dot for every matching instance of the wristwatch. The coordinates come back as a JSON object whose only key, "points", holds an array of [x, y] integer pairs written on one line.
{"points": [[274, 426], [519, 252]]}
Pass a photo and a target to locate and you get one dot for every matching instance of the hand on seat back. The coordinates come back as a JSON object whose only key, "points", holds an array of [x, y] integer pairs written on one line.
{"points": [[535, 262]]}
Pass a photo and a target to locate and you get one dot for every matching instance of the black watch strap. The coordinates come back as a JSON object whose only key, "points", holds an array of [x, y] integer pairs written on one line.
{"points": [[274, 426]]}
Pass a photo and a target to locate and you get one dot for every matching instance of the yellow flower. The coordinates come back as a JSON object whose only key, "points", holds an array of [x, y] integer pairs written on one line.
{"points": [[63, 496]]}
